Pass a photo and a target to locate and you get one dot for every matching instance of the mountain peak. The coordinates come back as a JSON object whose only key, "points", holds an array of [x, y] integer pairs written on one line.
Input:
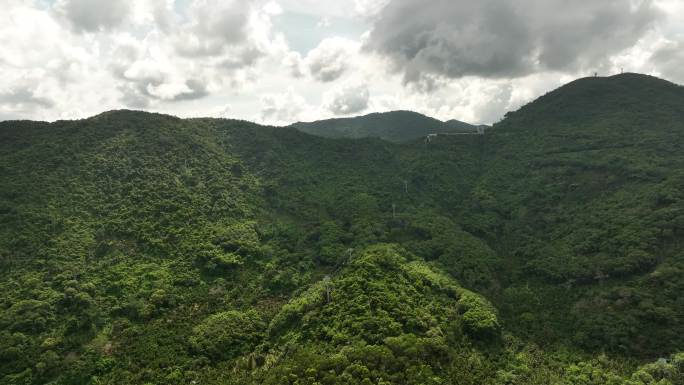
{"points": [[131, 114], [627, 79], [589, 98]]}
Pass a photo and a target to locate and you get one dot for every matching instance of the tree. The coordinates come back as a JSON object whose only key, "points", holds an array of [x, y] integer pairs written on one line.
{"points": [[226, 335]]}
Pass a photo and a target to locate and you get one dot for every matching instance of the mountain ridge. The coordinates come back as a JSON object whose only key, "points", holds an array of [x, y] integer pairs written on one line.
{"points": [[395, 126]]}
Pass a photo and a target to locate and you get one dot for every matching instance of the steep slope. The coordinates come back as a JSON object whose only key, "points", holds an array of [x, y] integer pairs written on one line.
{"points": [[582, 191], [402, 310], [128, 236], [396, 126], [109, 225], [140, 248]]}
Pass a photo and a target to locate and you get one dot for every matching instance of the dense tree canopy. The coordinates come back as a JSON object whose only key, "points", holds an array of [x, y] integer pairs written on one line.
{"points": [[144, 249]]}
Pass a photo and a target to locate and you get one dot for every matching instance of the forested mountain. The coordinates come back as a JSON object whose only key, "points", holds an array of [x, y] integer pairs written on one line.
{"points": [[462, 126], [138, 248], [395, 126]]}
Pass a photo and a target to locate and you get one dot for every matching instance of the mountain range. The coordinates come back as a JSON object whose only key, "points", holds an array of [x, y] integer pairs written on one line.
{"points": [[142, 248]]}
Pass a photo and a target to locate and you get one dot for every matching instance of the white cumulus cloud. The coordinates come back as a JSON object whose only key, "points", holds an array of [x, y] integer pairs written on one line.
{"points": [[94, 15], [347, 100], [283, 108], [331, 58]]}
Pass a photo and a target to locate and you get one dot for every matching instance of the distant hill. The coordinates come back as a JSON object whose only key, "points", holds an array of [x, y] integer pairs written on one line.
{"points": [[395, 126], [459, 125]]}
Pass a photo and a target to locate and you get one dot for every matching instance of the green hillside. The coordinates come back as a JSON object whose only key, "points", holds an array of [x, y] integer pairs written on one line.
{"points": [[140, 248], [396, 126]]}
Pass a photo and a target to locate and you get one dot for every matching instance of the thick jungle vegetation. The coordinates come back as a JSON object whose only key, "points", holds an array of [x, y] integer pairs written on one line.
{"points": [[139, 248]]}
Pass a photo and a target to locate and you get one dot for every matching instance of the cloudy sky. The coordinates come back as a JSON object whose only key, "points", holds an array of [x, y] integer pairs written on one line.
{"points": [[280, 61]]}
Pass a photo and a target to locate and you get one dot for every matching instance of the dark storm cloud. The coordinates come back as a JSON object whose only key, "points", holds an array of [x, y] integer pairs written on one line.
{"points": [[505, 38], [93, 15]]}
